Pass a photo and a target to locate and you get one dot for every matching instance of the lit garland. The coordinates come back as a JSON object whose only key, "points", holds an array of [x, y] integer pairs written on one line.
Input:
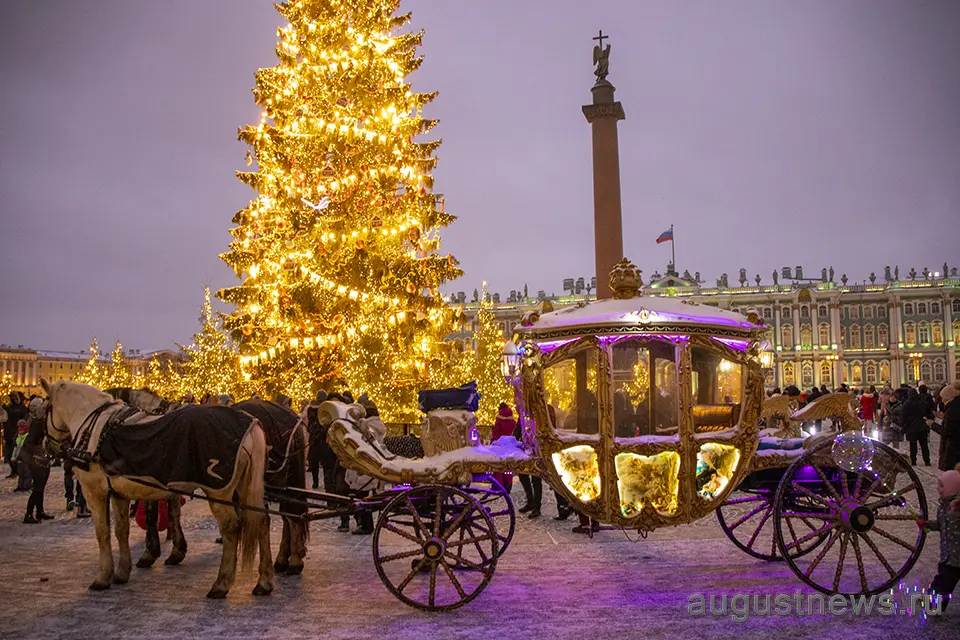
{"points": [[335, 294]]}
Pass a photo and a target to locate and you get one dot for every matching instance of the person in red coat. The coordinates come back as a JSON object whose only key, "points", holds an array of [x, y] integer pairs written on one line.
{"points": [[868, 407], [504, 426]]}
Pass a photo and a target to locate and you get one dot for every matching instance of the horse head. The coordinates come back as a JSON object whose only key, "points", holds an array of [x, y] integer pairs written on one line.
{"points": [[69, 405]]}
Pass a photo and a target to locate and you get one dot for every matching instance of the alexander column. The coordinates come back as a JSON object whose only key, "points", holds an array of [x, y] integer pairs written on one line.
{"points": [[603, 115]]}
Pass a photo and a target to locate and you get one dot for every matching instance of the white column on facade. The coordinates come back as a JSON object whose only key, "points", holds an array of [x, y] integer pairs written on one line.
{"points": [[835, 332], [949, 337], [898, 371]]}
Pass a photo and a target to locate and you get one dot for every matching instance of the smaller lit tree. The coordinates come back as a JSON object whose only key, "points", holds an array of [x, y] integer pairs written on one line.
{"points": [[213, 364], [6, 385], [117, 374], [163, 380], [484, 366], [93, 372]]}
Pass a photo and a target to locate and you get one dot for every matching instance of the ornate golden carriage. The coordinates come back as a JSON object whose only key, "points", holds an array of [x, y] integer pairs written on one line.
{"points": [[642, 410]]}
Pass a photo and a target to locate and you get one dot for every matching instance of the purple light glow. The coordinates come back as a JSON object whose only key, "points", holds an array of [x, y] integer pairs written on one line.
{"points": [[738, 345], [550, 345]]}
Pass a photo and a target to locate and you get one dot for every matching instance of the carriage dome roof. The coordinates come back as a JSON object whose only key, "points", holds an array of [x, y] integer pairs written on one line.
{"points": [[641, 315]]}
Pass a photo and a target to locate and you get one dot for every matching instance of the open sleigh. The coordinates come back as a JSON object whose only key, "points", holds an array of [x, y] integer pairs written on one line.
{"points": [[644, 412]]}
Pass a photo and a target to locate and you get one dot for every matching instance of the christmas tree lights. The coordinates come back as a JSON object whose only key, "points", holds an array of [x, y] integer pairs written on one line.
{"points": [[338, 251], [93, 372], [213, 364]]}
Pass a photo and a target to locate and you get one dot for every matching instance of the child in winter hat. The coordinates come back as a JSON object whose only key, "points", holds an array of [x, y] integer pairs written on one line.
{"points": [[948, 524]]}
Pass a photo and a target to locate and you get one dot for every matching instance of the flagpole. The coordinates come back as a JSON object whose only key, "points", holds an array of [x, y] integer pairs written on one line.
{"points": [[673, 248]]}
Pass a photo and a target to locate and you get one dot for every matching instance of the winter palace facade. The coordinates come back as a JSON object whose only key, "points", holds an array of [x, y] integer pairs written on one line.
{"points": [[822, 332]]}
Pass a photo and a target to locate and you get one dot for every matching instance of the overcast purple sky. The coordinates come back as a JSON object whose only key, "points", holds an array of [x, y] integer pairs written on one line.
{"points": [[769, 133]]}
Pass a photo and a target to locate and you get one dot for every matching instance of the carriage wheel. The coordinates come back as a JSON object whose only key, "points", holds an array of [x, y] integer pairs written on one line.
{"points": [[746, 518], [435, 547], [868, 518], [498, 505]]}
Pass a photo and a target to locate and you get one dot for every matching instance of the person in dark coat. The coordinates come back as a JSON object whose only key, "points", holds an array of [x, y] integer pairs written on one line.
{"points": [[319, 453], [34, 456], [949, 429], [532, 485], [339, 472], [16, 411], [916, 411]]}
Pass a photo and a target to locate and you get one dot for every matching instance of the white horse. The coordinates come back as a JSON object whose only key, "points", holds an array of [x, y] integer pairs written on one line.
{"points": [[74, 405]]}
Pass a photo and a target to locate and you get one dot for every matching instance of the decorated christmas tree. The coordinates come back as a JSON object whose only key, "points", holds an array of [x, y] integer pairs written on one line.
{"points": [[93, 372], [338, 251], [6, 386], [163, 380], [484, 365], [117, 374], [213, 364]]}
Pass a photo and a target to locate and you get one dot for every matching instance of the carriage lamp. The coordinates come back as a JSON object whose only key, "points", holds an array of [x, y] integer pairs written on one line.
{"points": [[510, 361]]}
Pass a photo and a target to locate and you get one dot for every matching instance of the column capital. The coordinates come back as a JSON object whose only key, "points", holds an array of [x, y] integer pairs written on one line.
{"points": [[612, 109]]}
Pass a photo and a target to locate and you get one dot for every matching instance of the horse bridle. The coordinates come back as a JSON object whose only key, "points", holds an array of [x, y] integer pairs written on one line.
{"points": [[49, 422]]}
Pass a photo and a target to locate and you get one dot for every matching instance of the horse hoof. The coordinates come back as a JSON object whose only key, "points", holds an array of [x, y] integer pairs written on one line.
{"points": [[145, 563], [217, 594], [295, 570], [280, 567], [173, 560], [261, 591], [119, 580], [99, 586]]}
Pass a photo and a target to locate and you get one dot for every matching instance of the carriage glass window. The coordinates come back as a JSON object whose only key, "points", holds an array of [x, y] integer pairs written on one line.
{"points": [[717, 391], [571, 389], [644, 388]]}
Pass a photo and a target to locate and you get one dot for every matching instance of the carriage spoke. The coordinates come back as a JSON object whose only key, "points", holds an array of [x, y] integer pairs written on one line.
{"points": [[855, 539], [474, 540], [803, 515], [843, 554], [756, 531], [843, 484], [856, 485], [438, 514], [810, 536], [880, 556], [745, 499], [453, 579], [893, 538], [893, 516], [790, 527], [869, 491], [895, 498], [400, 532], [802, 489], [433, 583], [461, 560], [403, 554], [422, 528], [749, 515], [823, 477], [823, 552], [413, 572], [456, 522], [476, 545]]}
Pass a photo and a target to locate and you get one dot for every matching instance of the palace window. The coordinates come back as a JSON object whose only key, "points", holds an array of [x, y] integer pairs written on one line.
{"points": [[910, 334], [856, 373], [922, 309], [911, 372], [885, 372], [854, 313], [822, 311], [806, 336], [935, 308], [806, 375], [788, 337], [826, 373], [804, 311], [767, 313], [926, 370], [956, 306], [939, 370], [908, 309], [882, 335], [923, 333], [788, 378], [871, 372], [868, 312], [881, 311], [824, 334], [869, 337], [854, 337], [785, 312], [937, 332]]}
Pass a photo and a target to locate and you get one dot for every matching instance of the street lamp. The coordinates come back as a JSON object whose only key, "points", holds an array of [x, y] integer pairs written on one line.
{"points": [[510, 361]]}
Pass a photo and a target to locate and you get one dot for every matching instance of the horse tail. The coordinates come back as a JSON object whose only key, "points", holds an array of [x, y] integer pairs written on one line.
{"points": [[250, 489]]}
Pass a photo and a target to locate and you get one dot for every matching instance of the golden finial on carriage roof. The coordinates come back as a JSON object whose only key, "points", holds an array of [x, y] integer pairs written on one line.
{"points": [[625, 280]]}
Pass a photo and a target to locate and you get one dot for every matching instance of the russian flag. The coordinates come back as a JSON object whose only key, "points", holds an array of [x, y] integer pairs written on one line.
{"points": [[666, 236]]}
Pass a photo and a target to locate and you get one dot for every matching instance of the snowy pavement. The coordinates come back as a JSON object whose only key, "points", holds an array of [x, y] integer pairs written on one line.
{"points": [[551, 584]]}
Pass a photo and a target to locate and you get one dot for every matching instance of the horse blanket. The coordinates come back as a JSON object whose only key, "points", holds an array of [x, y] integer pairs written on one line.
{"points": [[465, 397], [278, 424], [404, 446], [195, 445]]}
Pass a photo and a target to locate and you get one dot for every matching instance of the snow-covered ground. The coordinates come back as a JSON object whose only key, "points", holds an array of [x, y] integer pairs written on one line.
{"points": [[550, 584]]}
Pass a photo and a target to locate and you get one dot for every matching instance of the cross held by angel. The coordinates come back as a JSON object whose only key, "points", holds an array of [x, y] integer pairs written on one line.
{"points": [[601, 58]]}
